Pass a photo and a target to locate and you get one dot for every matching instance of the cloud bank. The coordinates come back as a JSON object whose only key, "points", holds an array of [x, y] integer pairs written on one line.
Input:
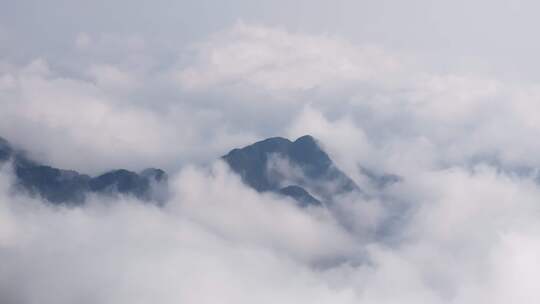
{"points": [[473, 237], [461, 226]]}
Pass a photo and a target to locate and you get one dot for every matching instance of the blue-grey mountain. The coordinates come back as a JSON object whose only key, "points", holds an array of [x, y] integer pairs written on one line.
{"points": [[299, 169], [71, 187]]}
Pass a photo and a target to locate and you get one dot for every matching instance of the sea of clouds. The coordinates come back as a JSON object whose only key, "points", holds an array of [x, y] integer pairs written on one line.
{"points": [[462, 225]]}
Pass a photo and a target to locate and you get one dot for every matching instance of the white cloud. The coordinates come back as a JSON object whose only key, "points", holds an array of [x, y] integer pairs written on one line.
{"points": [[342, 139], [453, 231], [474, 238], [99, 124], [109, 76], [276, 59], [214, 235], [385, 101], [78, 117]]}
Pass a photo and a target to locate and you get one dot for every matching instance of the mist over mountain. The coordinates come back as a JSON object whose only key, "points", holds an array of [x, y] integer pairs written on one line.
{"points": [[291, 168], [60, 186], [270, 151], [299, 169]]}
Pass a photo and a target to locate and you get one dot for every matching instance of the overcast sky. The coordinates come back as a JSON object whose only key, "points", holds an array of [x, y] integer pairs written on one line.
{"points": [[488, 36], [444, 94]]}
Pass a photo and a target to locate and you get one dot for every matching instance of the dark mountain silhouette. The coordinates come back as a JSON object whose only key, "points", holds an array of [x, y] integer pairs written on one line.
{"points": [[5, 150], [70, 187], [299, 169]]}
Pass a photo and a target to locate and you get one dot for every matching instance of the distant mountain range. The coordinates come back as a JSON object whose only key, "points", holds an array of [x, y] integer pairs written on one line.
{"points": [[70, 187], [297, 169]]}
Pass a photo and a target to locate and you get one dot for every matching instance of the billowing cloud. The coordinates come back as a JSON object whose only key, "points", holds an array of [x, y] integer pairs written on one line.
{"points": [[95, 124], [380, 97], [276, 59], [473, 237], [215, 99], [215, 234], [459, 227]]}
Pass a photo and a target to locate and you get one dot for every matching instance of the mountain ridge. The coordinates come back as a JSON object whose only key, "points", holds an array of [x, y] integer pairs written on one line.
{"points": [[297, 169], [59, 186]]}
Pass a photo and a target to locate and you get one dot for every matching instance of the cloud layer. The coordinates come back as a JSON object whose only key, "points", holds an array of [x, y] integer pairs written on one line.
{"points": [[461, 226], [472, 237]]}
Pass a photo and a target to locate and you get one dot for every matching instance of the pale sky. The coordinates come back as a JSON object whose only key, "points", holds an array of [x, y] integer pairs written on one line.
{"points": [[472, 36]]}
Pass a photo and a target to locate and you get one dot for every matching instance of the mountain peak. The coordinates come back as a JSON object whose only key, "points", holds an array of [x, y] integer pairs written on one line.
{"points": [[273, 163]]}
